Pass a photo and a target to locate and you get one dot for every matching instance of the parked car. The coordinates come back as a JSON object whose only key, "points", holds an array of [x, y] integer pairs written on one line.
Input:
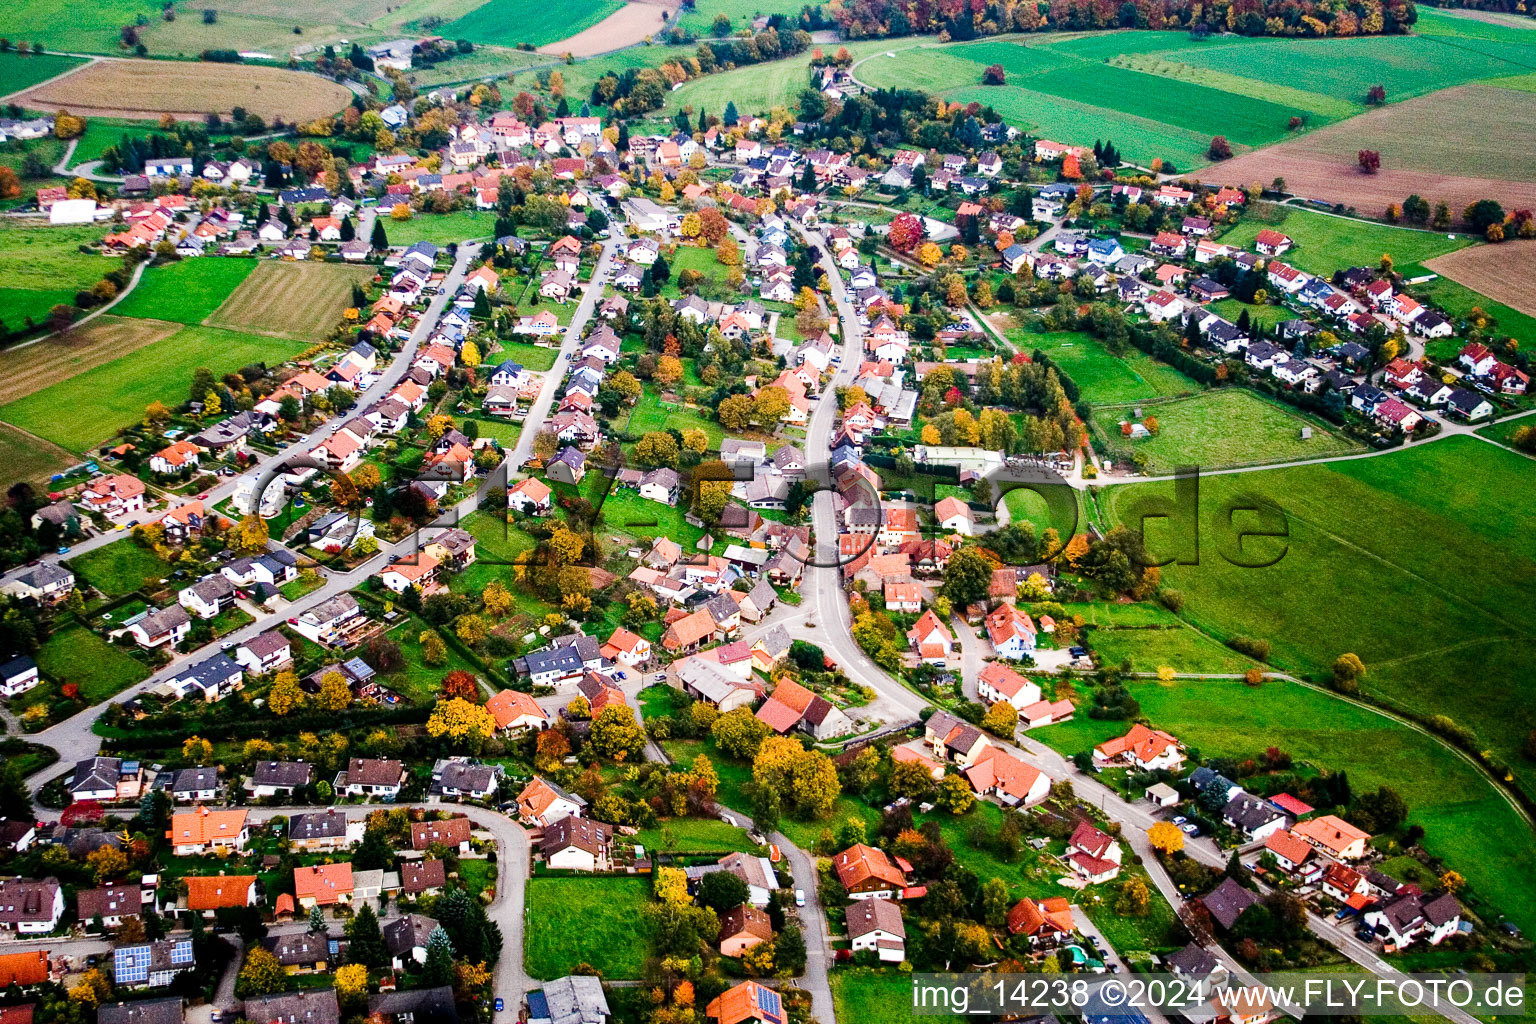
{"points": [[63, 549], [1190, 829], [501, 1004], [799, 897]]}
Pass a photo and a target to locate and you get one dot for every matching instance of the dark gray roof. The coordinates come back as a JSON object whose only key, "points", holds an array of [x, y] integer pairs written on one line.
{"points": [[282, 773], [1227, 902], [417, 1006], [314, 1006], [142, 1011], [296, 948], [317, 825], [404, 934], [267, 643], [191, 780], [1248, 812], [1193, 960]]}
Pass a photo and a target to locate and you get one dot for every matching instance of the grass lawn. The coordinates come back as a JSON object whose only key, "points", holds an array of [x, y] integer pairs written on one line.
{"points": [[1031, 875], [1265, 316], [1105, 378], [108, 397], [1325, 243], [877, 994], [185, 292], [1149, 636], [1504, 430], [1230, 427], [597, 921], [441, 228], [693, 835], [120, 568], [661, 701], [76, 655], [45, 267], [26, 458], [535, 357], [1466, 821], [419, 681], [650, 414], [20, 72], [1459, 300], [625, 512], [1158, 931], [476, 874]]}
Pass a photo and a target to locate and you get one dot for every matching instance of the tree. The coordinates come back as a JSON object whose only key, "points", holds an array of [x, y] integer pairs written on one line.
{"points": [[367, 940], [351, 984], [379, 240], [460, 719], [10, 185], [968, 577], [335, 693], [249, 535], [460, 684], [735, 412], [994, 75], [317, 918], [722, 890], [1348, 670], [107, 863], [1376, 95], [954, 795], [1483, 214], [770, 405], [438, 969], [1001, 719], [1133, 898], [260, 975], [1219, 149], [730, 117], [656, 449], [285, 695], [1165, 837], [911, 780], [739, 733], [669, 370], [930, 254], [1369, 161], [616, 734], [197, 750], [906, 231]]}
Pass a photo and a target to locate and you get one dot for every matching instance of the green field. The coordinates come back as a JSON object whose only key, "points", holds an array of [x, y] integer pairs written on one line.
{"points": [[1104, 378], [440, 228], [101, 132], [1459, 300], [1264, 317], [596, 921], [1467, 822], [44, 267], [741, 12], [18, 72], [23, 457], [1440, 622], [1149, 636], [535, 357], [89, 408], [76, 655], [1325, 243], [185, 292], [650, 413], [117, 569], [510, 22], [1221, 429], [877, 994], [693, 835]]}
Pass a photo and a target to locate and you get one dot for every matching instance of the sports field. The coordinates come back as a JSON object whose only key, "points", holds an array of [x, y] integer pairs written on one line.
{"points": [[185, 292], [1439, 622], [510, 22], [146, 89], [90, 407], [1104, 378], [44, 267], [1221, 429], [290, 300]]}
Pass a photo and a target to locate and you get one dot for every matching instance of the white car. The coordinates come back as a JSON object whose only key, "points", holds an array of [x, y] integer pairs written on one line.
{"points": [[799, 897]]}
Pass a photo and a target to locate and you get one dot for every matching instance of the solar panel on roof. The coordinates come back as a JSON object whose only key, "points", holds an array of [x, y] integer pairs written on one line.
{"points": [[181, 952]]}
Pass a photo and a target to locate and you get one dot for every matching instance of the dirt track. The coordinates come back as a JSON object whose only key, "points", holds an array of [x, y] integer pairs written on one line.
{"points": [[626, 26]]}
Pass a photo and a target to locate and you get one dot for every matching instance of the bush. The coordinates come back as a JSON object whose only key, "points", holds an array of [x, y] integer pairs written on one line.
{"points": [[1255, 648]]}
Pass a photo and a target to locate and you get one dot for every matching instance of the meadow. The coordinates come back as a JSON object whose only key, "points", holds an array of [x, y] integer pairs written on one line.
{"points": [[1467, 821], [91, 407], [19, 72], [741, 12], [30, 368], [1104, 378], [186, 292], [23, 457], [612, 932], [510, 22], [45, 267], [1221, 429], [1439, 622], [441, 228], [118, 569], [289, 300], [877, 994], [76, 655], [1325, 243]]}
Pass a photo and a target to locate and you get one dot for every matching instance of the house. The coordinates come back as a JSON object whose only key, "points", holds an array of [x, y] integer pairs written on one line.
{"points": [[24, 969], [106, 778], [660, 485], [408, 572], [743, 927], [931, 638], [1334, 836], [1255, 818], [577, 844], [111, 904], [48, 583], [868, 873], [542, 802], [420, 877], [1011, 631], [1044, 924], [406, 937], [1468, 405], [1141, 747], [208, 596], [627, 648], [273, 778], [193, 784], [904, 597], [306, 1006], [1197, 964], [576, 999], [1093, 855], [515, 711], [954, 740], [1294, 856], [747, 1003], [114, 495], [1270, 242], [756, 872], [1227, 902], [689, 632], [367, 776], [201, 830], [265, 653], [998, 682], [152, 964], [568, 465], [18, 675], [29, 906], [331, 620], [1413, 918], [323, 885], [207, 894], [999, 774], [875, 924]]}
